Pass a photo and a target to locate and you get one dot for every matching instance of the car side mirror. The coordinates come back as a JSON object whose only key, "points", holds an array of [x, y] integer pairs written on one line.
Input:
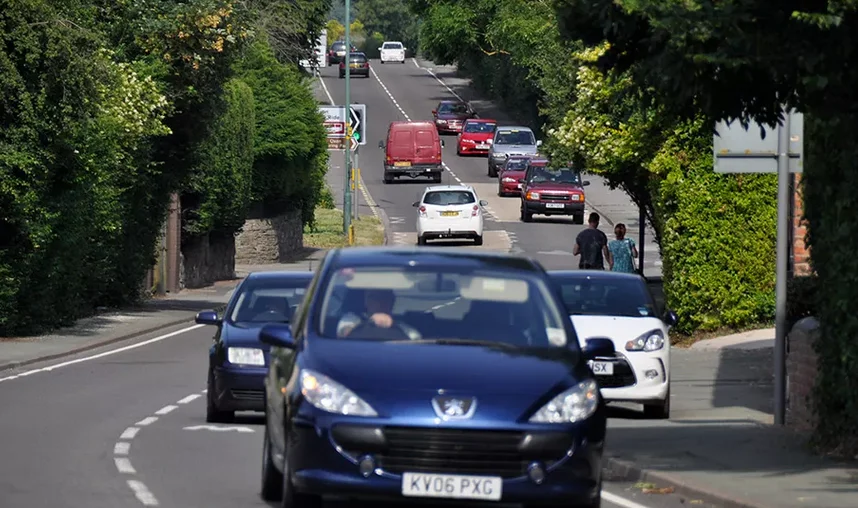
{"points": [[586, 183], [415, 204], [434, 112], [670, 318], [442, 143], [538, 142], [598, 347], [381, 144], [483, 202], [277, 335], [521, 180], [207, 317]]}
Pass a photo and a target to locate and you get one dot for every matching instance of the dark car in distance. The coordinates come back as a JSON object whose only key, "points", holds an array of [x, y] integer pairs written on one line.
{"points": [[358, 65], [337, 53], [432, 374], [449, 116], [238, 361], [552, 189]]}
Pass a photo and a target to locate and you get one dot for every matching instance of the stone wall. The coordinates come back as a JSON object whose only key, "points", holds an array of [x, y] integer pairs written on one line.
{"points": [[801, 374], [274, 240], [206, 259], [800, 252]]}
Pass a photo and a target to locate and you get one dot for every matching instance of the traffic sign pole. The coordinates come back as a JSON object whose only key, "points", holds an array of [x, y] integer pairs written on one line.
{"points": [[356, 180], [347, 192]]}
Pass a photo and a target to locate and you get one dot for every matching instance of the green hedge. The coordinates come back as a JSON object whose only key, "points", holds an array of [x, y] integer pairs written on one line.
{"points": [[718, 238]]}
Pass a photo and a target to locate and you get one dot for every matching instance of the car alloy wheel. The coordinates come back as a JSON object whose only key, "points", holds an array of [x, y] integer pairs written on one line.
{"points": [[272, 478], [213, 413], [291, 498]]}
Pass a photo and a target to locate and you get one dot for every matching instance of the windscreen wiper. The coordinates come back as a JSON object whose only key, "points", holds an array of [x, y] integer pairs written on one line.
{"points": [[457, 342]]}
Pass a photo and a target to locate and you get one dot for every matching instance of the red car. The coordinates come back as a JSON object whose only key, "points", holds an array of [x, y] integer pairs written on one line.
{"points": [[476, 136], [450, 115], [552, 189], [510, 173]]}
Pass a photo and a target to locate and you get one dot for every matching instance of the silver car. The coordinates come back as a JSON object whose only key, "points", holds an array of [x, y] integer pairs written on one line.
{"points": [[508, 141]]}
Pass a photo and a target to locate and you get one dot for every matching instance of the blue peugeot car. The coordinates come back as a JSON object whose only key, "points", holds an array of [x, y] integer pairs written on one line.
{"points": [[432, 374], [238, 360]]}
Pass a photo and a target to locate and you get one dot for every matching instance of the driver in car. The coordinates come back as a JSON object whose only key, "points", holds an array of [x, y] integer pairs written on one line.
{"points": [[378, 305]]}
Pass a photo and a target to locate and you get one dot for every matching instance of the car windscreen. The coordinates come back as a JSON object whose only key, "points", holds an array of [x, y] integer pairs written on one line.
{"points": [[516, 165], [446, 198], [445, 303], [480, 127], [391, 45], [338, 46], [268, 302], [515, 138], [357, 58], [593, 296], [544, 174], [452, 109]]}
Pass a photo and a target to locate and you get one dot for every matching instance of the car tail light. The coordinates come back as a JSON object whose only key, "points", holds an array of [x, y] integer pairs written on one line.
{"points": [[422, 211], [476, 211]]}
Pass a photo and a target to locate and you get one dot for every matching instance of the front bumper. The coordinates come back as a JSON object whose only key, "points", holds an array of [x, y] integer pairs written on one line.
{"points": [[324, 459], [392, 58], [240, 388], [631, 382], [510, 187], [471, 148], [449, 128], [552, 208], [414, 171]]}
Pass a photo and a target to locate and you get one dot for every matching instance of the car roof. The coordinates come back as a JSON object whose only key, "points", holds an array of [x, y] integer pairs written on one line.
{"points": [[449, 187], [421, 123], [280, 275], [451, 101], [408, 256], [594, 275], [388, 42], [539, 160], [357, 53], [481, 120], [514, 128]]}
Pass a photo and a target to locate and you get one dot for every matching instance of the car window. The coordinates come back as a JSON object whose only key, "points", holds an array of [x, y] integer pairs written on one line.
{"points": [[445, 198], [516, 165], [514, 137], [270, 302], [479, 127], [453, 109], [625, 297], [392, 45], [444, 302], [357, 58], [544, 174], [338, 46], [425, 139]]}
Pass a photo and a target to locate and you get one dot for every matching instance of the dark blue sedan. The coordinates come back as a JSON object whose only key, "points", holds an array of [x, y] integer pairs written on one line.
{"points": [[238, 360], [432, 374]]}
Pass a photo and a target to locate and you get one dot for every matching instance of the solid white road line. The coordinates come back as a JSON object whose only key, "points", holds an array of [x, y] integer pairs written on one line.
{"points": [[142, 493], [104, 354]]}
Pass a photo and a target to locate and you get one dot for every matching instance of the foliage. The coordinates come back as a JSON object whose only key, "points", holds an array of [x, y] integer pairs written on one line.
{"points": [[290, 148], [290, 26], [326, 199], [372, 44], [336, 31], [219, 194], [327, 231], [391, 19]]}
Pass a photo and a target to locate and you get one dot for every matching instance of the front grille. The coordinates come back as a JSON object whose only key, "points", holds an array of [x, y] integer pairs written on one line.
{"points": [[555, 197], [453, 451], [622, 377], [248, 395]]}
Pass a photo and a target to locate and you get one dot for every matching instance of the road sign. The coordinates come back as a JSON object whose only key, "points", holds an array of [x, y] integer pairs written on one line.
{"points": [[740, 150], [336, 120], [354, 144], [336, 143], [335, 129], [357, 119]]}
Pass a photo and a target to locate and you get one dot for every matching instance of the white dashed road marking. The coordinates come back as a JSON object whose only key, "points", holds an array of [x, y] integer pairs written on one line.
{"points": [[121, 448], [146, 421], [129, 433], [142, 493], [124, 465], [165, 410], [190, 398]]}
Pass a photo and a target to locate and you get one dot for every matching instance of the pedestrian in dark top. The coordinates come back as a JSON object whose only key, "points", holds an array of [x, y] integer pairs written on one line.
{"points": [[592, 245]]}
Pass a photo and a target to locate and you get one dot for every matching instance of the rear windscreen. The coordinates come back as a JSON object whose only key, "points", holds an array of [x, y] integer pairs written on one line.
{"points": [[357, 58], [444, 198], [392, 45], [338, 46]]}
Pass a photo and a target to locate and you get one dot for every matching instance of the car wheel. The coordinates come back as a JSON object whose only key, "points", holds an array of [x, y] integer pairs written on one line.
{"points": [[579, 218], [382, 62], [387, 179], [421, 240], [272, 478], [478, 240], [493, 171], [437, 178], [526, 216], [213, 413], [293, 499], [658, 411]]}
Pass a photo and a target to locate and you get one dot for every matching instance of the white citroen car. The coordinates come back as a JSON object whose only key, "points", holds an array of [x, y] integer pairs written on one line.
{"points": [[620, 307], [449, 212], [392, 51]]}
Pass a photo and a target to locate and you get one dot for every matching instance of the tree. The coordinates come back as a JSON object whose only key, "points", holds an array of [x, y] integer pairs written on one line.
{"points": [[391, 18], [291, 26], [336, 31]]}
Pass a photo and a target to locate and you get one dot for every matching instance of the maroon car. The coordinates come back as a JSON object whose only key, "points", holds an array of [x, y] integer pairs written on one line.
{"points": [[552, 189], [512, 170], [451, 115]]}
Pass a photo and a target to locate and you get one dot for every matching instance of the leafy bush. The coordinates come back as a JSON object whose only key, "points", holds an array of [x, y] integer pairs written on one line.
{"points": [[371, 44], [326, 199], [718, 240], [290, 146]]}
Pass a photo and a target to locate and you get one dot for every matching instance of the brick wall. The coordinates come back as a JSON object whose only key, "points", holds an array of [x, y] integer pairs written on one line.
{"points": [[801, 254], [801, 374]]}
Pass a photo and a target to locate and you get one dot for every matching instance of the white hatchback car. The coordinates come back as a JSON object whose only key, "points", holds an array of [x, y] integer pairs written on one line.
{"points": [[392, 51], [620, 307], [449, 212]]}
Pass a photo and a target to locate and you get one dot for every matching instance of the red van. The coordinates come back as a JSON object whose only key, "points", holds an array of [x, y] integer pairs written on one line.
{"points": [[412, 149]]}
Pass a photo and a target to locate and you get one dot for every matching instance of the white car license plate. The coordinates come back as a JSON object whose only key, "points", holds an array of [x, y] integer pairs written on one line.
{"points": [[602, 368], [553, 205], [482, 147], [484, 488]]}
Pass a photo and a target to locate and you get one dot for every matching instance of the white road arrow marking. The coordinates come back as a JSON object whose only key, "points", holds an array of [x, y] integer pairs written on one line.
{"points": [[215, 428]]}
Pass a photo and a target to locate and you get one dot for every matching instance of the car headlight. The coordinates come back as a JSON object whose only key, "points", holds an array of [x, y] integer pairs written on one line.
{"points": [[245, 356], [533, 195], [328, 395], [508, 179], [650, 341], [440, 121], [497, 155], [573, 405]]}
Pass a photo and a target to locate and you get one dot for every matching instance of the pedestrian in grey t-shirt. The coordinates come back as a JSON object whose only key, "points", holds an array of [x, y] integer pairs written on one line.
{"points": [[592, 245]]}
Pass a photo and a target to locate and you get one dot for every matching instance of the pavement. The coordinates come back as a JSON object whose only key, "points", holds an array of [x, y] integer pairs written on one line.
{"points": [[110, 413]]}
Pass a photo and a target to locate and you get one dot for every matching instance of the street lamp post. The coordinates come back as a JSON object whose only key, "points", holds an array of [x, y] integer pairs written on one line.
{"points": [[347, 192]]}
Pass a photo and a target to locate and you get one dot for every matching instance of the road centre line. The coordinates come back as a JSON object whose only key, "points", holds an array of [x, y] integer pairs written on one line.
{"points": [[189, 398], [142, 493], [102, 355], [146, 421], [124, 465], [130, 433], [165, 410]]}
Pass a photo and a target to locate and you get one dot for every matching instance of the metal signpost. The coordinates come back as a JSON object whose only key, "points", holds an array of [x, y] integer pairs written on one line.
{"points": [[347, 194], [781, 151]]}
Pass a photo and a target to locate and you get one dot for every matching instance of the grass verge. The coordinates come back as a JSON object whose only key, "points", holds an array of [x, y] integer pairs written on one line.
{"points": [[328, 233]]}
